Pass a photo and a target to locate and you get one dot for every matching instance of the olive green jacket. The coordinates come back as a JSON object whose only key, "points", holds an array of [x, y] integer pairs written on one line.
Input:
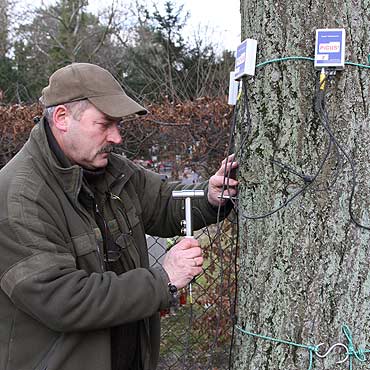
{"points": [[57, 301]]}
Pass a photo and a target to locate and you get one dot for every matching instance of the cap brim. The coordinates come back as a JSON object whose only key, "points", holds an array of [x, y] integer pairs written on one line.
{"points": [[117, 106]]}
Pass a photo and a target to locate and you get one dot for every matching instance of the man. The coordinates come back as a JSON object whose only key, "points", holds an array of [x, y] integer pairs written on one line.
{"points": [[76, 289]]}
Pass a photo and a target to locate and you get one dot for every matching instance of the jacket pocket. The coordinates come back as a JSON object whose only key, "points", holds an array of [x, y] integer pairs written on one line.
{"points": [[87, 251], [83, 244]]}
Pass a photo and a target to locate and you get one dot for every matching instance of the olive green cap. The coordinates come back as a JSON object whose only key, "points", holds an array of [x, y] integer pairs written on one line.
{"points": [[79, 81]]}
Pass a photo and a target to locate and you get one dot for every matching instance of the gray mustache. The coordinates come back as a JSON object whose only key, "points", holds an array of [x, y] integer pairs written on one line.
{"points": [[106, 149]]}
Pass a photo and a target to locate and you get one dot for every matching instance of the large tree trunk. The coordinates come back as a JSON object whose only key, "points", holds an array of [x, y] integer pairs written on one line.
{"points": [[305, 270]]}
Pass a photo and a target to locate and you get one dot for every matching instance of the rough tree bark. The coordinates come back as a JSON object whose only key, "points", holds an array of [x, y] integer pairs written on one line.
{"points": [[305, 270]]}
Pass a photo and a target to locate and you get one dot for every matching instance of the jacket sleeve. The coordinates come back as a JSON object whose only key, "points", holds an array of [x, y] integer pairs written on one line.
{"points": [[163, 213], [38, 272]]}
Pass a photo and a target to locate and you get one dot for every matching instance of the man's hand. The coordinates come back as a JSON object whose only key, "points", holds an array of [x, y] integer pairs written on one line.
{"points": [[183, 261], [221, 181]]}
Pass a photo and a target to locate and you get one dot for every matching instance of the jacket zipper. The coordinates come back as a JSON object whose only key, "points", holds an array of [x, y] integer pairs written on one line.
{"points": [[115, 182], [101, 258], [88, 216]]}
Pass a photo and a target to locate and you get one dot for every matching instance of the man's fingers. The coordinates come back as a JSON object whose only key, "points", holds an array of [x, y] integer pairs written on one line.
{"points": [[187, 243], [223, 181], [220, 180], [183, 261], [192, 252], [229, 167], [198, 261], [230, 158], [228, 194], [194, 262]]}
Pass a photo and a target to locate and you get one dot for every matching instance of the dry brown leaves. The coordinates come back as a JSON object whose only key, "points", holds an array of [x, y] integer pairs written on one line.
{"points": [[197, 131]]}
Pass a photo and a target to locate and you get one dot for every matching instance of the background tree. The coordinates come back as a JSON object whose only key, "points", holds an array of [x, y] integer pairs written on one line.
{"points": [[155, 56], [7, 75], [4, 27], [304, 270], [205, 72], [144, 48], [168, 34], [60, 34], [161, 64]]}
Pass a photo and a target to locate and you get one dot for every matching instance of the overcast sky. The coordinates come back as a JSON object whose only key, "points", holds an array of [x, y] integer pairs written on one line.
{"points": [[220, 17]]}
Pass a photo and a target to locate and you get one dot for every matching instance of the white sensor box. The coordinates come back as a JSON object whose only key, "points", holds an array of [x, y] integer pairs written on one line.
{"points": [[330, 48], [245, 61], [233, 89]]}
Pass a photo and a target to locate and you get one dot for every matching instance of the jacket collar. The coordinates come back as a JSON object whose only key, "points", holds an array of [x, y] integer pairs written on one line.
{"points": [[69, 178], [67, 175]]}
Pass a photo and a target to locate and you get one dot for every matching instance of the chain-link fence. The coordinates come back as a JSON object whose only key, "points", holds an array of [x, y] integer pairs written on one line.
{"points": [[198, 335]]}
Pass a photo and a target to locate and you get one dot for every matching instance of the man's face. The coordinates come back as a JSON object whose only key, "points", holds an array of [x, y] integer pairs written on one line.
{"points": [[88, 141]]}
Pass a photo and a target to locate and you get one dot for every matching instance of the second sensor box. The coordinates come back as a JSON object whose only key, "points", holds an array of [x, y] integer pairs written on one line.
{"points": [[245, 61], [330, 48]]}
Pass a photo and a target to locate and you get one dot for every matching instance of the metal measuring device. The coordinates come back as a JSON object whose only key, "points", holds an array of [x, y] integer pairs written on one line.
{"points": [[187, 224]]}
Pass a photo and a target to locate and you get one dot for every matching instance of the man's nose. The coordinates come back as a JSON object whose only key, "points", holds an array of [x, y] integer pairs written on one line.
{"points": [[114, 135]]}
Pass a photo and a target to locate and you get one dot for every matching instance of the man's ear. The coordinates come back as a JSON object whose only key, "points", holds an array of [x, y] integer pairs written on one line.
{"points": [[59, 117]]}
